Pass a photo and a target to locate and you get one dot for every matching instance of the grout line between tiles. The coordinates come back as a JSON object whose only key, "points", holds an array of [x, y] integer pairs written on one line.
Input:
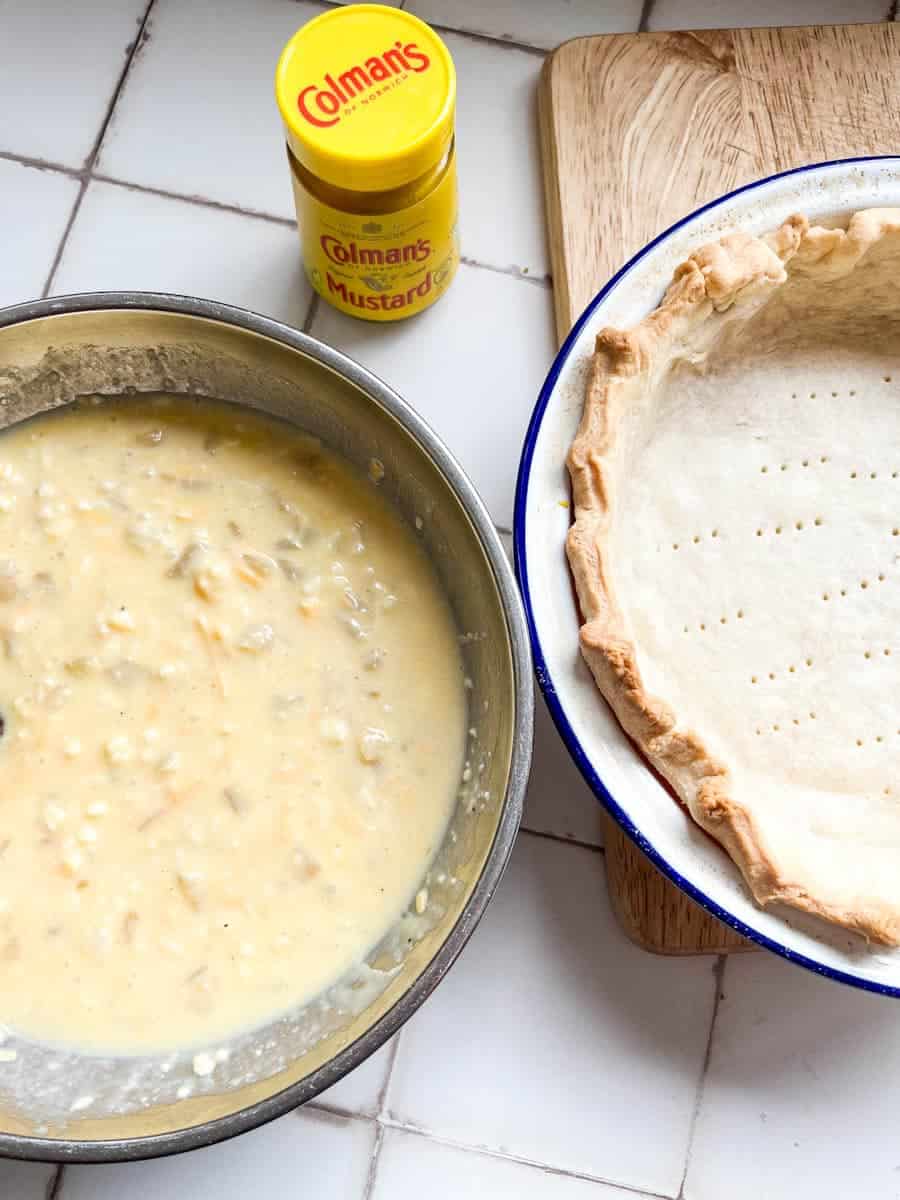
{"points": [[87, 175], [565, 841], [389, 1075], [133, 51], [718, 979], [386, 1121], [546, 1168], [373, 1162], [57, 257], [91, 159], [380, 1100], [222, 206], [489, 39], [494, 40], [543, 281], [646, 14], [54, 1187], [41, 164]]}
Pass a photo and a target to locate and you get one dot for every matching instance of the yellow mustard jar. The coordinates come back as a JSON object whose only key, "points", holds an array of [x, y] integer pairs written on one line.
{"points": [[367, 94]]}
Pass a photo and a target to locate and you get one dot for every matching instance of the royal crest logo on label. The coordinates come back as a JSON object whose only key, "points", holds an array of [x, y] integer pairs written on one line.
{"points": [[321, 104]]}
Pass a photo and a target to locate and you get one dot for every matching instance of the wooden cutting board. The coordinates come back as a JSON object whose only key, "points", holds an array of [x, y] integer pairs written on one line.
{"points": [[636, 131]]}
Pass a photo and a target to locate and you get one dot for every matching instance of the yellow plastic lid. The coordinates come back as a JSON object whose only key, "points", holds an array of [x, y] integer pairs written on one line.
{"points": [[367, 95]]}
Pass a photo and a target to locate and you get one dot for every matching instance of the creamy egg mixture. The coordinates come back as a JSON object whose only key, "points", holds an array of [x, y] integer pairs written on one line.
{"points": [[233, 721]]}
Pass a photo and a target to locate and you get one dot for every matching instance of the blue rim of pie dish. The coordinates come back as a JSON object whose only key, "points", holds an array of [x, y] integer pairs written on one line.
{"points": [[542, 671]]}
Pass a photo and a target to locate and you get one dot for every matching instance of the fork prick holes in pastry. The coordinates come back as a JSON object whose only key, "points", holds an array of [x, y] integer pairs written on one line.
{"points": [[725, 380]]}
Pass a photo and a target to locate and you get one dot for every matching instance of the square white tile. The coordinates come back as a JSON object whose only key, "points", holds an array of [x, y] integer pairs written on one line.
{"points": [[362, 1089], [555, 1039], [60, 64], [558, 800], [126, 239], [725, 14], [543, 23], [411, 1166], [312, 1154], [36, 205], [501, 221], [800, 1097], [197, 115], [472, 365], [25, 1181]]}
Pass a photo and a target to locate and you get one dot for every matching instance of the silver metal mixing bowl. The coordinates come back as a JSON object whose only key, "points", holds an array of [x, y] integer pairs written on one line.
{"points": [[57, 1104]]}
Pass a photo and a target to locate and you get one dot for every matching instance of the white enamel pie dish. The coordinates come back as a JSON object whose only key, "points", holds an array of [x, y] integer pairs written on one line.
{"points": [[826, 194]]}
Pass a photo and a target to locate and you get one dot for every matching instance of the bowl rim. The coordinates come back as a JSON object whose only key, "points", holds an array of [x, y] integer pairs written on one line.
{"points": [[220, 1129], [544, 675]]}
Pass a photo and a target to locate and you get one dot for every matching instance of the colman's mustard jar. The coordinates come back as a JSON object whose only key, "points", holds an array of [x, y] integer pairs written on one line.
{"points": [[367, 94]]}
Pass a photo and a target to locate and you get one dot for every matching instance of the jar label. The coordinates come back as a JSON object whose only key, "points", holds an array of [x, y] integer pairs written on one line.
{"points": [[384, 266]]}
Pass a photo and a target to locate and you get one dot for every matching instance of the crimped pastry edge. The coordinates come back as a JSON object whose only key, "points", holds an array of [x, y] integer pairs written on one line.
{"points": [[739, 270]]}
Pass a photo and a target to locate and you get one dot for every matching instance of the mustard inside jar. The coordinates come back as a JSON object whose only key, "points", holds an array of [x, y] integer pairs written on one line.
{"points": [[368, 95]]}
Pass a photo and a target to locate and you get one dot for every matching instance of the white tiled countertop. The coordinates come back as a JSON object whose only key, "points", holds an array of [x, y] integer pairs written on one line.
{"points": [[140, 148]]}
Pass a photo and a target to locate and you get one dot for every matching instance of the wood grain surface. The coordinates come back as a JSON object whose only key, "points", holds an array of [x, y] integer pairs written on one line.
{"points": [[637, 130]]}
